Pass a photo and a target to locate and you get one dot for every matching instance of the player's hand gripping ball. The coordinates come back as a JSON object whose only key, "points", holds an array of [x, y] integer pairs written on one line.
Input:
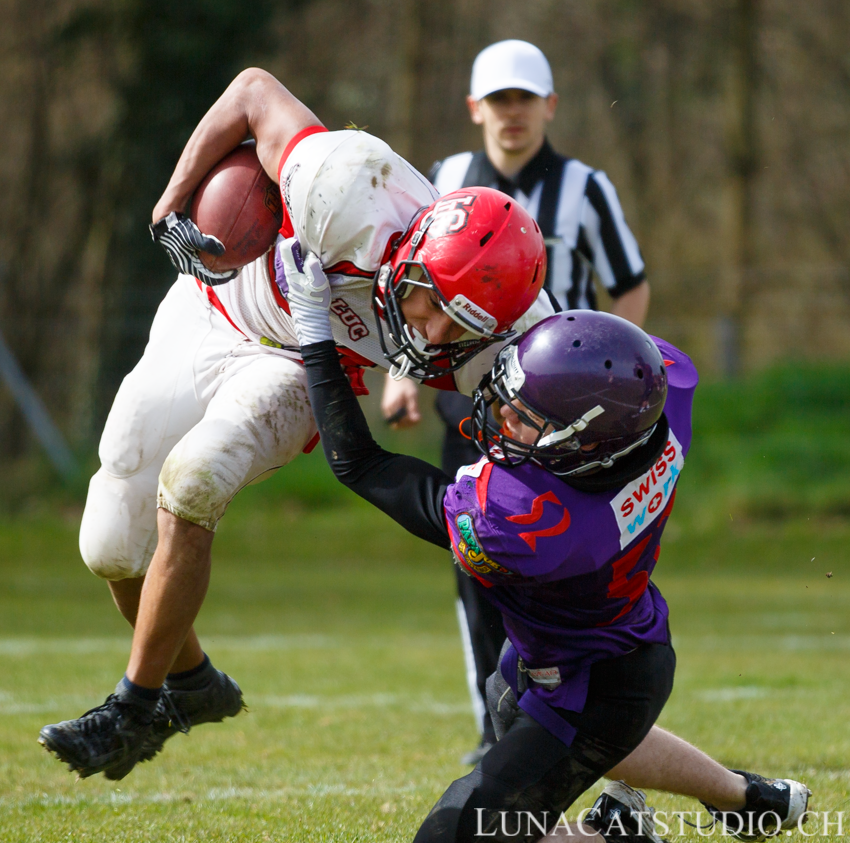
{"points": [[183, 242], [235, 217]]}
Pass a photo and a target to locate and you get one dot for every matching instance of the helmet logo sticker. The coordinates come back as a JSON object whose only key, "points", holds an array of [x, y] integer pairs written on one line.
{"points": [[462, 310], [514, 375], [448, 216]]}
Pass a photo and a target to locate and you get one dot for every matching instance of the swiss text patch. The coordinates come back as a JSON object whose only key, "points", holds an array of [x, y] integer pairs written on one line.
{"points": [[644, 499]]}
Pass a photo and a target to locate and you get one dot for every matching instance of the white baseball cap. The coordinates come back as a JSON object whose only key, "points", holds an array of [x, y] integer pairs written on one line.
{"points": [[510, 64]]}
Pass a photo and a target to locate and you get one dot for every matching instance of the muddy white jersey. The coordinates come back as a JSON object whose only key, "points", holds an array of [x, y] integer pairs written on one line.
{"points": [[347, 197]]}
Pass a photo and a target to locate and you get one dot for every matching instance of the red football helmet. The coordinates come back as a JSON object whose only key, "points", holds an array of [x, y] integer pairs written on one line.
{"points": [[483, 255]]}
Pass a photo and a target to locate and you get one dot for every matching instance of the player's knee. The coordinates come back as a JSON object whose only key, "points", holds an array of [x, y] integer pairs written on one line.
{"points": [[109, 557], [118, 528], [197, 483]]}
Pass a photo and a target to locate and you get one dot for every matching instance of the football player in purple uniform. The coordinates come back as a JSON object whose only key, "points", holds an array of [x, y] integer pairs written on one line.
{"points": [[560, 525]]}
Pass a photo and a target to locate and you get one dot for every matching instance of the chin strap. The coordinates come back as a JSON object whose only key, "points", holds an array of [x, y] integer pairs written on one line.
{"points": [[576, 427], [397, 370]]}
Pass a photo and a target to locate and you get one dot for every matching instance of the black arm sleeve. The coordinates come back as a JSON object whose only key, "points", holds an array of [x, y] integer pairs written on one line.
{"points": [[409, 490]]}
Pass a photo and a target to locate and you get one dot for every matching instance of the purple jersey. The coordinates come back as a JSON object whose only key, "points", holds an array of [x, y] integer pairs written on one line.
{"points": [[570, 570]]}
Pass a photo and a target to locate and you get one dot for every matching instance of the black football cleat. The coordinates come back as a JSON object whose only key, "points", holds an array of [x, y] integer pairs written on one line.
{"points": [[107, 739], [773, 805], [180, 710]]}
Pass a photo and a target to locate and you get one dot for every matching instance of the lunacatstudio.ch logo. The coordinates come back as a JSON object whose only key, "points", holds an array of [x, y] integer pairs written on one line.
{"points": [[667, 824]]}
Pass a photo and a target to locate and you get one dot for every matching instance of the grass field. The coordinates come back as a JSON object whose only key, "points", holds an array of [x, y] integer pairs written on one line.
{"points": [[341, 631]]}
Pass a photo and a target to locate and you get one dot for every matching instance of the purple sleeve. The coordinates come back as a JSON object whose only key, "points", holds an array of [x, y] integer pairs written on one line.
{"points": [[682, 379], [508, 523]]}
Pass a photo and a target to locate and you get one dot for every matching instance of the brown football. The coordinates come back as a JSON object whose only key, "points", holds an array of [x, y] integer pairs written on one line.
{"points": [[238, 203]]}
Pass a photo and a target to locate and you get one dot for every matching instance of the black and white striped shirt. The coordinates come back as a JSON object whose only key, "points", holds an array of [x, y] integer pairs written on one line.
{"points": [[582, 221]]}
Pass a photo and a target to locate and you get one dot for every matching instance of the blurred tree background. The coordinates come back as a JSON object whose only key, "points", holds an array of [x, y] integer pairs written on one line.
{"points": [[724, 126]]}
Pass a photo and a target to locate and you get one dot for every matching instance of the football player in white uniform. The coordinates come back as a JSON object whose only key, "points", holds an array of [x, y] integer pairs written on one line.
{"points": [[430, 288]]}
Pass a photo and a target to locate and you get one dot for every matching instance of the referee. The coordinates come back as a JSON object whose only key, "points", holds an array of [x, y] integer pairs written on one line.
{"points": [[512, 98]]}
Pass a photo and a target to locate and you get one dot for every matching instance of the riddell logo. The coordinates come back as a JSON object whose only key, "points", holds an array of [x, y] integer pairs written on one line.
{"points": [[471, 315], [479, 315]]}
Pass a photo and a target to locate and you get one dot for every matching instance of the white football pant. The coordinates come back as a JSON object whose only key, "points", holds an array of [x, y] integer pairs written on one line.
{"points": [[204, 412]]}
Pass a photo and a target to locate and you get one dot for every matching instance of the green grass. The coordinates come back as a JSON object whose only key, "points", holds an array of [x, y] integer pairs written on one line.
{"points": [[341, 629]]}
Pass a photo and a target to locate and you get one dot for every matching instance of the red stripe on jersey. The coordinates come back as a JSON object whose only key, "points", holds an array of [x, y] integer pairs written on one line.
{"points": [[287, 229], [296, 139], [278, 296], [482, 482], [215, 301], [348, 268], [669, 362], [311, 444], [351, 358]]}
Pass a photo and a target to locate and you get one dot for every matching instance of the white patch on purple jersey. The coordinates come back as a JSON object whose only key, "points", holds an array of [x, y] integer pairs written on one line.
{"points": [[473, 470], [644, 499]]}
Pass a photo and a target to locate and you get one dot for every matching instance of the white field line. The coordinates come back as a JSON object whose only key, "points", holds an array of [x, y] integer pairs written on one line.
{"points": [[744, 692], [9, 705], [32, 646], [823, 642], [25, 647], [219, 794], [425, 705]]}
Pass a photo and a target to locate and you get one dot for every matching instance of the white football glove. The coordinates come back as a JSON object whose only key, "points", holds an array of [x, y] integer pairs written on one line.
{"points": [[309, 293], [182, 239]]}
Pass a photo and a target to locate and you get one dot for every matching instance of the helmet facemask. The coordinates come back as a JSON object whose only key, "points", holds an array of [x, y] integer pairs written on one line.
{"points": [[558, 446]]}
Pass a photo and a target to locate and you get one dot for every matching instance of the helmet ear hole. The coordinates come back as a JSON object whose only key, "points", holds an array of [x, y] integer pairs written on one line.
{"points": [[608, 364]]}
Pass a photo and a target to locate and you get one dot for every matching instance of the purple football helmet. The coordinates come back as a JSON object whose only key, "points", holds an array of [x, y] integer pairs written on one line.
{"points": [[588, 378]]}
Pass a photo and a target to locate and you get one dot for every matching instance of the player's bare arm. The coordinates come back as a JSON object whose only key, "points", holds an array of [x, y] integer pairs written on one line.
{"points": [[255, 104]]}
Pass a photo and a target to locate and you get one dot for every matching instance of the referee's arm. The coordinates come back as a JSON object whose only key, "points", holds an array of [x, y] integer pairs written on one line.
{"points": [[634, 304], [616, 255]]}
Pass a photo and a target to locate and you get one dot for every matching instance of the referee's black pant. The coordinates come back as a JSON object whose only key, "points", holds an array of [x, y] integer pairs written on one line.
{"points": [[482, 619]]}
